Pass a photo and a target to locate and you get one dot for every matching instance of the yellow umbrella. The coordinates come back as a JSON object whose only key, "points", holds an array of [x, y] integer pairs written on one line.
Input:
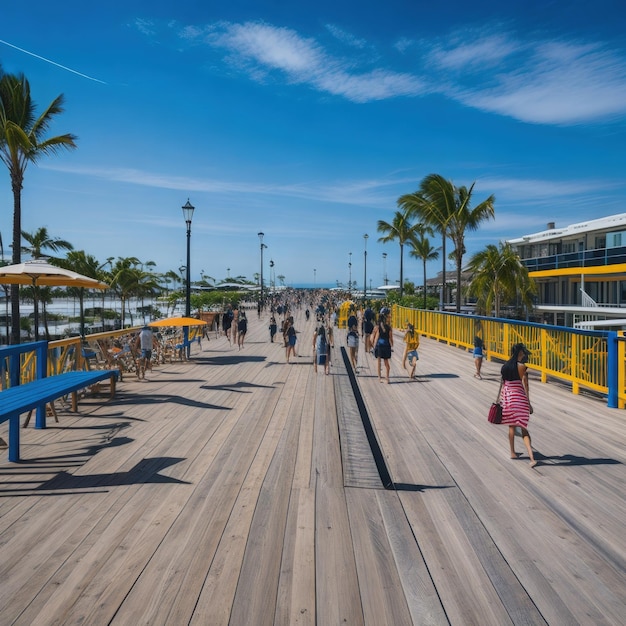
{"points": [[178, 321]]}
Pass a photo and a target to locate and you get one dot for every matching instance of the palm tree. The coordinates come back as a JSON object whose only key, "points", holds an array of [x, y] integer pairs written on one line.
{"points": [[499, 276], [5, 288], [38, 242], [22, 141], [421, 248], [168, 278], [466, 218], [401, 230], [446, 208], [125, 281], [87, 265]]}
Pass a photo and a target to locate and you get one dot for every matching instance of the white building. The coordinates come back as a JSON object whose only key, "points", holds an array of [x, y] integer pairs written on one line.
{"points": [[580, 270]]}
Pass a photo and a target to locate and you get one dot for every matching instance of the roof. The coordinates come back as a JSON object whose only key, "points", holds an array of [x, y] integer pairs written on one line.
{"points": [[603, 223]]}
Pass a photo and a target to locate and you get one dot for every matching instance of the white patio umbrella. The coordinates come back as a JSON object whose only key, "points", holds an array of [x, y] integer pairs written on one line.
{"points": [[38, 273]]}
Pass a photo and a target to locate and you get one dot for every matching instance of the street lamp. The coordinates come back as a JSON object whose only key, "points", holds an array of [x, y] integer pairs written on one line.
{"points": [[385, 268], [365, 237], [314, 278], [350, 273], [188, 210], [261, 235]]}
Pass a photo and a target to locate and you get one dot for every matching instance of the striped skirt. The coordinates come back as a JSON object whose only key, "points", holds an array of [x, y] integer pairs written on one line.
{"points": [[515, 405]]}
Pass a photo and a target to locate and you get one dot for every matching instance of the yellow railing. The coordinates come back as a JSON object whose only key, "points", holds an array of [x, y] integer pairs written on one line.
{"points": [[67, 354], [344, 313], [576, 356]]}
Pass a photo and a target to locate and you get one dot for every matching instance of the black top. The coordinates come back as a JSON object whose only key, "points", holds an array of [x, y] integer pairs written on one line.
{"points": [[510, 371], [383, 332]]}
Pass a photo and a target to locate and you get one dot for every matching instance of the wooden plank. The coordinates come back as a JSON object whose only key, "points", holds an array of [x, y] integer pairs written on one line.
{"points": [[336, 579], [421, 594], [296, 589], [255, 598], [215, 600], [100, 529], [337, 586], [381, 590], [194, 536]]}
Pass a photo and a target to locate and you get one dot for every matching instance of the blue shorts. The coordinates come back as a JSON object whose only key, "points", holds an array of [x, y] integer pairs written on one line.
{"points": [[412, 355], [146, 354], [292, 340]]}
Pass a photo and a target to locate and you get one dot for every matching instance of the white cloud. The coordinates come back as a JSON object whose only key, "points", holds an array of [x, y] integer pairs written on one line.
{"points": [[530, 189], [276, 48], [539, 81], [544, 82], [483, 52], [345, 37], [403, 44], [146, 27], [262, 48]]}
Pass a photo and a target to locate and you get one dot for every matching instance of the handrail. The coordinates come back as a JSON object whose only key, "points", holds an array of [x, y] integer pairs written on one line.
{"points": [[19, 363], [584, 358]]}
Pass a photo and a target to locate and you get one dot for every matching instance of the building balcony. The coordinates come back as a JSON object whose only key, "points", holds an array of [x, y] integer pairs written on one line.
{"points": [[583, 258]]}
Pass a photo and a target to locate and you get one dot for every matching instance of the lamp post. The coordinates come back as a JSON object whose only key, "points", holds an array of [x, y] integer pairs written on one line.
{"points": [[350, 273], [261, 235], [385, 268], [188, 210], [365, 237], [314, 278]]}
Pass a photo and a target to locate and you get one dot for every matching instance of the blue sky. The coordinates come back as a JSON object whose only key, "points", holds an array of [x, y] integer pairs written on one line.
{"points": [[308, 122]]}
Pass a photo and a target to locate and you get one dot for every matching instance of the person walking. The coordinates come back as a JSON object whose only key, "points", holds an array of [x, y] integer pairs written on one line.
{"points": [[411, 344], [382, 339], [273, 328], [320, 349], [368, 329], [290, 338], [145, 342], [330, 344], [478, 356], [234, 327], [242, 329], [227, 321], [352, 339], [515, 398]]}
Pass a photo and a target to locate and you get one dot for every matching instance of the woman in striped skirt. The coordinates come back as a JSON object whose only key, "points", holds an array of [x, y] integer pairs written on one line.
{"points": [[515, 398]]}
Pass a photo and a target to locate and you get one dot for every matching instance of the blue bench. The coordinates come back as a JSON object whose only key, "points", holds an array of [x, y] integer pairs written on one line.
{"points": [[18, 399]]}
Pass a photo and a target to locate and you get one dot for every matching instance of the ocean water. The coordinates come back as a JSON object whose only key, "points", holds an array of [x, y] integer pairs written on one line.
{"points": [[68, 308]]}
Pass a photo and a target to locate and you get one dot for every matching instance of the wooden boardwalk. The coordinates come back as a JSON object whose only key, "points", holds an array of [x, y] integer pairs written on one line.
{"points": [[238, 489]]}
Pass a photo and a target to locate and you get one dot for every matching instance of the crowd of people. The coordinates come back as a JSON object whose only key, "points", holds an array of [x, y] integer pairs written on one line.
{"points": [[369, 334], [374, 331], [365, 328]]}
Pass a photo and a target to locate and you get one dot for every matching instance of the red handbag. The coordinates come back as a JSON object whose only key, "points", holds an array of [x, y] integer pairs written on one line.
{"points": [[495, 410], [495, 413]]}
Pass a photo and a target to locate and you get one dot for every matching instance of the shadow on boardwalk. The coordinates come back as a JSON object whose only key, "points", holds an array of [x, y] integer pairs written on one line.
{"points": [[238, 489]]}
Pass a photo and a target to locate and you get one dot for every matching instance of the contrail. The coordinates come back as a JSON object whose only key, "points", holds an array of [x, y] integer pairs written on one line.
{"points": [[63, 67]]}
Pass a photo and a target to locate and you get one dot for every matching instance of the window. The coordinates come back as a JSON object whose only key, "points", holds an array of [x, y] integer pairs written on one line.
{"points": [[614, 240]]}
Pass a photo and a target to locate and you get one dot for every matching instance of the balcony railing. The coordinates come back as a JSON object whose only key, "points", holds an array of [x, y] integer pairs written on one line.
{"points": [[583, 258]]}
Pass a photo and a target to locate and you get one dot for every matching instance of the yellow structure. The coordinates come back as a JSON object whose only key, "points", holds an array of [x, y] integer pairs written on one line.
{"points": [[576, 356]]}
